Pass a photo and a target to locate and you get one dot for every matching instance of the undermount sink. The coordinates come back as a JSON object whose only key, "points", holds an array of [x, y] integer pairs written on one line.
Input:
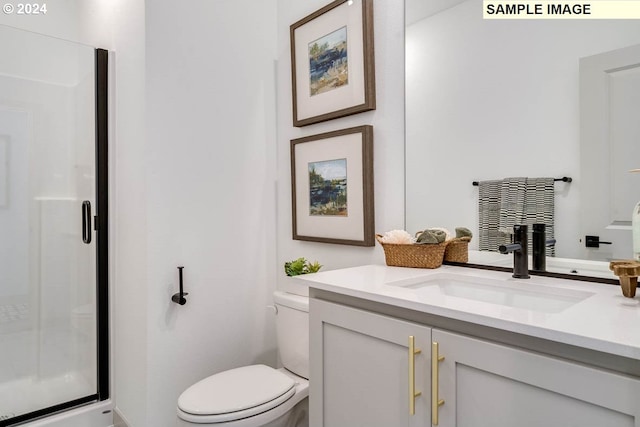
{"points": [[521, 294]]}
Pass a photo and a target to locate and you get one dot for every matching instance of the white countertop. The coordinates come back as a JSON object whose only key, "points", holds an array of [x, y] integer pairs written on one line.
{"points": [[603, 319]]}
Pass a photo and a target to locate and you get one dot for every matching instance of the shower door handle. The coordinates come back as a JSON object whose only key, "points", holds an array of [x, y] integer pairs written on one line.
{"points": [[86, 222]]}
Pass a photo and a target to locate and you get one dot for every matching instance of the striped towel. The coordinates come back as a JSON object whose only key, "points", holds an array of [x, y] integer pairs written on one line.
{"points": [[489, 215], [539, 208], [511, 201], [513, 192]]}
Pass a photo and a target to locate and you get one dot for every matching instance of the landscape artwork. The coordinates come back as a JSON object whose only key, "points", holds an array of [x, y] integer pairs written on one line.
{"points": [[328, 64], [328, 188]]}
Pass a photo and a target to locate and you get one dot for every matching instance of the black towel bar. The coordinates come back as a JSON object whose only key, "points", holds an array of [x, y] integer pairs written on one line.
{"points": [[563, 179]]}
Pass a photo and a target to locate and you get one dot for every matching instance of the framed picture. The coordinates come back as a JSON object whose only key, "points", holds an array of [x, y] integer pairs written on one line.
{"points": [[332, 62], [332, 187]]}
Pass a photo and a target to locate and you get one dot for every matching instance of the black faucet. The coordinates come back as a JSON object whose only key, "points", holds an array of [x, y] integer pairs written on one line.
{"points": [[520, 252], [539, 245]]}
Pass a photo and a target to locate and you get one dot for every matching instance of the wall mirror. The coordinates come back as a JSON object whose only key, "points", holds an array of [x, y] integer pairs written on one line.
{"points": [[491, 99]]}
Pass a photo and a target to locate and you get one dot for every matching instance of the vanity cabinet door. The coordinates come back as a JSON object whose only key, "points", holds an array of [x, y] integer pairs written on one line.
{"points": [[360, 369], [484, 384]]}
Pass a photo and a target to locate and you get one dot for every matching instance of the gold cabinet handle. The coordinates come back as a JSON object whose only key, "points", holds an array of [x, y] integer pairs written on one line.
{"points": [[412, 375], [436, 402]]}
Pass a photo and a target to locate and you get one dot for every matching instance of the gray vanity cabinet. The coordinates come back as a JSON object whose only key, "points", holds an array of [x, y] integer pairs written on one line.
{"points": [[360, 369], [485, 384]]}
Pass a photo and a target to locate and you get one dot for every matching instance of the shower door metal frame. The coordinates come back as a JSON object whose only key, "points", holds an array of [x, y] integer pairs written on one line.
{"points": [[102, 221], [101, 227]]}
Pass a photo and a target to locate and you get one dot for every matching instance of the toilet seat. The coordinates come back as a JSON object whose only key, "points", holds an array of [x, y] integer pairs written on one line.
{"points": [[235, 394]]}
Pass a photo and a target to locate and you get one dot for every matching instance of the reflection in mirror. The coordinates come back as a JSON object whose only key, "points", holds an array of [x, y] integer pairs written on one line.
{"points": [[492, 99]]}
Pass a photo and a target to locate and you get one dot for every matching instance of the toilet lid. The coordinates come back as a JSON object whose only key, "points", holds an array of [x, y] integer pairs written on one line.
{"points": [[237, 390]]}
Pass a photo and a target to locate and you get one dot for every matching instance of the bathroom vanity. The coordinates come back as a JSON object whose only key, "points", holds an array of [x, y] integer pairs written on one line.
{"points": [[462, 347]]}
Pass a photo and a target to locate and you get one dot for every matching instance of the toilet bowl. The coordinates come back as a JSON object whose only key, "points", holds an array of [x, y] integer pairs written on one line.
{"points": [[258, 395]]}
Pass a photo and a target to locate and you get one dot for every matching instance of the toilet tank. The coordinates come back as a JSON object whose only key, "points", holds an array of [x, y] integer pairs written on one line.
{"points": [[292, 329]]}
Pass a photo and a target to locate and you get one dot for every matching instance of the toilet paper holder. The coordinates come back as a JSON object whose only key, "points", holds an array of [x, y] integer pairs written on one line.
{"points": [[179, 298]]}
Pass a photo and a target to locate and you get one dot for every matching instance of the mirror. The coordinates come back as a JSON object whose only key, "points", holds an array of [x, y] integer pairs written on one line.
{"points": [[491, 99]]}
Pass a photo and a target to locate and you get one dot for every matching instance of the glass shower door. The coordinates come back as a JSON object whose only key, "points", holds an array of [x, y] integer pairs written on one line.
{"points": [[48, 344]]}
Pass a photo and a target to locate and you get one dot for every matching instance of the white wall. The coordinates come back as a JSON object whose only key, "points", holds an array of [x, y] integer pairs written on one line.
{"points": [[211, 188], [489, 99], [210, 101], [128, 194], [62, 20], [82, 21], [387, 121]]}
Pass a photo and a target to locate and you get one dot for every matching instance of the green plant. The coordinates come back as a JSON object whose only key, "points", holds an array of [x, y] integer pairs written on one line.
{"points": [[301, 266]]}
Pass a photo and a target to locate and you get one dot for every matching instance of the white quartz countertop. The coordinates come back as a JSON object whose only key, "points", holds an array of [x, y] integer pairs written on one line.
{"points": [[589, 315]]}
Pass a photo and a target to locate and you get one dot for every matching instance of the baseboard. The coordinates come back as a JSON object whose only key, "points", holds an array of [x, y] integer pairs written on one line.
{"points": [[119, 420]]}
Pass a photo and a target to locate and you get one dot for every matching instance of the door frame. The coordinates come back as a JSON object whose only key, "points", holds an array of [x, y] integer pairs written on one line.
{"points": [[102, 222]]}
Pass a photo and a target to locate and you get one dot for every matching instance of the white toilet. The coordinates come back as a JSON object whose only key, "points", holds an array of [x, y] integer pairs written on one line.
{"points": [[258, 395]]}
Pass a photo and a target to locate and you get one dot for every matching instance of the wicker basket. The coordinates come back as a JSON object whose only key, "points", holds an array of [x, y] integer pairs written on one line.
{"points": [[417, 256], [457, 250]]}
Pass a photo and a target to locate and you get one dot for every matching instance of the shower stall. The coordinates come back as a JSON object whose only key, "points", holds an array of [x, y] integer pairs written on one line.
{"points": [[53, 226]]}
